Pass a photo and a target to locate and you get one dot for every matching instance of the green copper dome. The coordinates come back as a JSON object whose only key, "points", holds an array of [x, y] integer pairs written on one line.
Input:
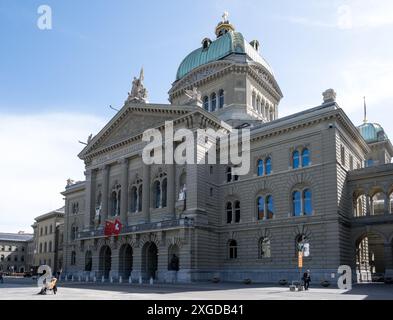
{"points": [[224, 45], [372, 132]]}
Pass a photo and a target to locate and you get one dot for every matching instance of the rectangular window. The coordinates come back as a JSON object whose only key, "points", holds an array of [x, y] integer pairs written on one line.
{"points": [[351, 162]]}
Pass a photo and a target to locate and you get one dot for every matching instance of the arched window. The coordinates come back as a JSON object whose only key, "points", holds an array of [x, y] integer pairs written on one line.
{"points": [[269, 207], [295, 159], [260, 167], [229, 174], [307, 204], [359, 205], [296, 203], [213, 99], [88, 261], [74, 232], [268, 165], [305, 157], [229, 212], [261, 208], [237, 211], [264, 248], [258, 105], [206, 103], [164, 193], [134, 199], [221, 98], [157, 194], [140, 198], [114, 203], [73, 258], [232, 249], [378, 204]]}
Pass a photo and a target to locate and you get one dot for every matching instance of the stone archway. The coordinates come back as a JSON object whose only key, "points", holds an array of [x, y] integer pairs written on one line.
{"points": [[105, 261], [125, 260], [370, 261], [149, 260]]}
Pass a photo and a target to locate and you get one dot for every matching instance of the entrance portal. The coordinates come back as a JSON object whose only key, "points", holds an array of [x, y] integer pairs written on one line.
{"points": [[125, 261], [105, 261], [149, 260], [370, 265]]}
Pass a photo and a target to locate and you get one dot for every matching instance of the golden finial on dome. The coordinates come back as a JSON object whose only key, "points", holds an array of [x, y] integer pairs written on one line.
{"points": [[224, 26]]}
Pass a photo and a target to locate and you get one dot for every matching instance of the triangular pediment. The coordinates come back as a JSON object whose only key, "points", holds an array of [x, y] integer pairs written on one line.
{"points": [[134, 123], [133, 120]]}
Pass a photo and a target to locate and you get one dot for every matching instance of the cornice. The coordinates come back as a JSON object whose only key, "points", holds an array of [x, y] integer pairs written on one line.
{"points": [[190, 81]]}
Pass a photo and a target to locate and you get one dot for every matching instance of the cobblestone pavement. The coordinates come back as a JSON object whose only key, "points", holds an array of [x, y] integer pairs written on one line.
{"points": [[26, 289]]}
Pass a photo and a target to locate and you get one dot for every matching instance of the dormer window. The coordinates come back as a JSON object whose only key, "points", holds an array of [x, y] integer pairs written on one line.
{"points": [[206, 43], [255, 44]]}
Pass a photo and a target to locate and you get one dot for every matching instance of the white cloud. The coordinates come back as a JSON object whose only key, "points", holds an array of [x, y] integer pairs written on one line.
{"points": [[38, 154]]}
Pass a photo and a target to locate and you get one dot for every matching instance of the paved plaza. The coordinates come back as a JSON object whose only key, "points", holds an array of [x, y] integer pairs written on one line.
{"points": [[26, 289]]}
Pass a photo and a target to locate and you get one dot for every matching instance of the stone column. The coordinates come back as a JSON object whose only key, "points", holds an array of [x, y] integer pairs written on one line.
{"points": [[368, 205], [105, 194], [171, 192], [124, 192], [146, 193], [89, 200]]}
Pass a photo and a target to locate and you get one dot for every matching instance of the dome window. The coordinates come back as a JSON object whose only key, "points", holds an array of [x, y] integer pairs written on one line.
{"points": [[255, 44], [206, 43]]}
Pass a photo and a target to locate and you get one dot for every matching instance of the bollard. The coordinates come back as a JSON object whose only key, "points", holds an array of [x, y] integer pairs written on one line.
{"points": [[72, 278], [65, 278], [103, 279], [87, 278], [94, 279], [140, 279], [79, 279], [151, 281], [120, 279], [111, 279], [129, 280]]}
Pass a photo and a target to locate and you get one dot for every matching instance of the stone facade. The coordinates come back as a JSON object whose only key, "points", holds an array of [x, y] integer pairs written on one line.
{"points": [[218, 227], [48, 240], [14, 257]]}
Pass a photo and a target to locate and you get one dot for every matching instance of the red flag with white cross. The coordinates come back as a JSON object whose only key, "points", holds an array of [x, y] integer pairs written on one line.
{"points": [[117, 225]]}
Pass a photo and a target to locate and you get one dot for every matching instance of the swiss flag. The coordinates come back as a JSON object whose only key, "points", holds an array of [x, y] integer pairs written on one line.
{"points": [[116, 227], [109, 227]]}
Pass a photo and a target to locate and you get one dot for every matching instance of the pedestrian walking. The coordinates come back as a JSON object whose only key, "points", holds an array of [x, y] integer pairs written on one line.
{"points": [[306, 279]]}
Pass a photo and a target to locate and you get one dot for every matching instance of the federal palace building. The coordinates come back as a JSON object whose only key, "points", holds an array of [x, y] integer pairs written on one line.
{"points": [[315, 178]]}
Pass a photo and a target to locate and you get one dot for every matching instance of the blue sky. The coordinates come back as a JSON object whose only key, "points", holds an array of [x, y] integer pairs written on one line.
{"points": [[56, 85]]}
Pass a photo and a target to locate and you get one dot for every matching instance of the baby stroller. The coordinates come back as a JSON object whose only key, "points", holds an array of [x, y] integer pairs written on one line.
{"points": [[51, 286]]}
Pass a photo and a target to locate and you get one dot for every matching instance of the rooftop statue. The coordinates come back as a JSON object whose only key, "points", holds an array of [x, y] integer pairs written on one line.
{"points": [[138, 92], [194, 97]]}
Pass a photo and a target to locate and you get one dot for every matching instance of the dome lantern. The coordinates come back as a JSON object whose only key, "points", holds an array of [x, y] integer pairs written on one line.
{"points": [[224, 26]]}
